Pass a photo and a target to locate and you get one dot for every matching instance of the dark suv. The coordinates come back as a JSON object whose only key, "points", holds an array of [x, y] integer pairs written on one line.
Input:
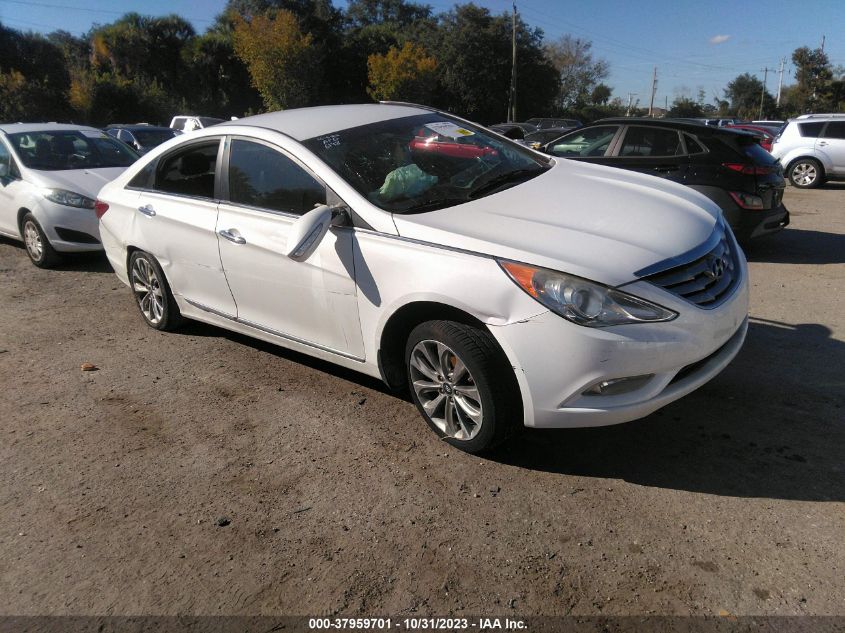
{"points": [[727, 166]]}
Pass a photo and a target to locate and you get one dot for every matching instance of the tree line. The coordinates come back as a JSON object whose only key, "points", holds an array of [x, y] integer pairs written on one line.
{"points": [[261, 55]]}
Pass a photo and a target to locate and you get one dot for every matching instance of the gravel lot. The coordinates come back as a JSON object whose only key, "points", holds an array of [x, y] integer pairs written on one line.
{"points": [[114, 483]]}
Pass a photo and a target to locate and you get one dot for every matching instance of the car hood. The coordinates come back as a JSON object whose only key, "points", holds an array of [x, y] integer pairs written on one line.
{"points": [[597, 222], [88, 182]]}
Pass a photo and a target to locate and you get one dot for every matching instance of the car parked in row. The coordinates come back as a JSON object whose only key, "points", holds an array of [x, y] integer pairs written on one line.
{"points": [[49, 178], [811, 149], [727, 166], [189, 123], [501, 287], [141, 136], [765, 135]]}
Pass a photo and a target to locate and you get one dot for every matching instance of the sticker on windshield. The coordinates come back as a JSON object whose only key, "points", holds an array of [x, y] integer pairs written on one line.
{"points": [[446, 128], [94, 134]]}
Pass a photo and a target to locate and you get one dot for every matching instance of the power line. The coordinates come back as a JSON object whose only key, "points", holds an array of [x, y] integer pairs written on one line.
{"points": [[78, 8]]}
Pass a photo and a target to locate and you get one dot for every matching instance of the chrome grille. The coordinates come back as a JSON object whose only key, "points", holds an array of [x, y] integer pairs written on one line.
{"points": [[705, 281]]}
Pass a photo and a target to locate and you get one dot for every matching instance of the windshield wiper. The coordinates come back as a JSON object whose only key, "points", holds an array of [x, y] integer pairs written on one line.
{"points": [[432, 204], [503, 179]]}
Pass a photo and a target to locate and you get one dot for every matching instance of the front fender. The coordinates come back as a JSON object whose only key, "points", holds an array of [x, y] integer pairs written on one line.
{"points": [[795, 154]]}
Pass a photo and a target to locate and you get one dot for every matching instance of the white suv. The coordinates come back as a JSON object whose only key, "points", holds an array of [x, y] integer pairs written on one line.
{"points": [[811, 149]]}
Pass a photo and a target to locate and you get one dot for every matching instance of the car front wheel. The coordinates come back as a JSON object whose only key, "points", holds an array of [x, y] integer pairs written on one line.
{"points": [[38, 247], [806, 173], [462, 384], [152, 293]]}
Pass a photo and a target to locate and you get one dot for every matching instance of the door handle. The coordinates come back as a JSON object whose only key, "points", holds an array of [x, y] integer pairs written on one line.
{"points": [[822, 143], [229, 235], [147, 210], [666, 168]]}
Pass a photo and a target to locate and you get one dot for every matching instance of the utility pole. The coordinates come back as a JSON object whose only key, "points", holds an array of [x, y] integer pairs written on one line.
{"points": [[512, 98], [763, 91], [653, 90], [822, 43], [631, 96], [780, 80]]}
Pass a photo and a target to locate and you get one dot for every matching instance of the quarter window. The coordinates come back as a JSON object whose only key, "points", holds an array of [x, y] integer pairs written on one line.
{"points": [[811, 130], [650, 142], [260, 176], [189, 172], [835, 129]]}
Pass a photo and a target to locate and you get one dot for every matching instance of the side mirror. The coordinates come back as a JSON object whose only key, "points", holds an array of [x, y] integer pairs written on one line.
{"points": [[307, 232], [4, 170]]}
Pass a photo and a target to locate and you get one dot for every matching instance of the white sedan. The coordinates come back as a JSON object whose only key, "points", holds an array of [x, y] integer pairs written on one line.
{"points": [[49, 177], [502, 287]]}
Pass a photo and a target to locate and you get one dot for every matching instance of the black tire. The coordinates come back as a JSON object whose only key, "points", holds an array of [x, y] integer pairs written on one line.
{"points": [[805, 173], [152, 293], [488, 370], [38, 247]]}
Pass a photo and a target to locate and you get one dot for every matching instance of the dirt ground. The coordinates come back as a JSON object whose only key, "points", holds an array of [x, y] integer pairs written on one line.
{"points": [[339, 500]]}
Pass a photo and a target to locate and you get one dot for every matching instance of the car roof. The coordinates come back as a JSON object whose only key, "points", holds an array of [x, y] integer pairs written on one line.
{"points": [[15, 128], [695, 128], [305, 123]]}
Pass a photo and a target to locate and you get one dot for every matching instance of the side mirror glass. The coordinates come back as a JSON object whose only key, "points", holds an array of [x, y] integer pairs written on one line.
{"points": [[307, 233]]}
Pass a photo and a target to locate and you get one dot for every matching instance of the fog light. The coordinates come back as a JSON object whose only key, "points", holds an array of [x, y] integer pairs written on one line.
{"points": [[616, 386]]}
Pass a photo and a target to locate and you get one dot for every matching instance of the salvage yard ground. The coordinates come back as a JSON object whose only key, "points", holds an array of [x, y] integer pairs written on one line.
{"points": [[202, 472]]}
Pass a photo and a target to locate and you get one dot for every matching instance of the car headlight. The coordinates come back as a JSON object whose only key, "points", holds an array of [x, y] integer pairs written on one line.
{"points": [[68, 198], [581, 301]]}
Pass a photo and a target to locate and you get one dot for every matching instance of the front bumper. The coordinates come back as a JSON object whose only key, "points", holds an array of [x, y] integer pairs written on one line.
{"points": [[557, 361], [69, 229]]}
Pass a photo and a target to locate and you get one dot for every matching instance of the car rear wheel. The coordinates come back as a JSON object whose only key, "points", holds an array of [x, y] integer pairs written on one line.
{"points": [[152, 293], [38, 247], [806, 173], [462, 385]]}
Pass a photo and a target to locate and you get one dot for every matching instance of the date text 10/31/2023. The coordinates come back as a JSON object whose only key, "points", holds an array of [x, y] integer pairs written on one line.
{"points": [[416, 624]]}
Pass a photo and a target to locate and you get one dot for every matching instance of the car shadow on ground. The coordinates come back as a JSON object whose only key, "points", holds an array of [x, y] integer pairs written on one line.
{"points": [[195, 328], [772, 425], [798, 246], [84, 262]]}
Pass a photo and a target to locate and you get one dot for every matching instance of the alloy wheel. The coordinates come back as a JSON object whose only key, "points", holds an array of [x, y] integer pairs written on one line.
{"points": [[32, 239], [446, 390], [148, 292], [804, 174]]}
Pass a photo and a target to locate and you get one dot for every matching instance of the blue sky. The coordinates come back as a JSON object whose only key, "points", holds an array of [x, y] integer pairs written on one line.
{"points": [[695, 45]]}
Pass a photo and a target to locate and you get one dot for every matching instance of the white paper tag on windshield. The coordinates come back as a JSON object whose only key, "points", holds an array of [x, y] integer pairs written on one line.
{"points": [[446, 128], [94, 134]]}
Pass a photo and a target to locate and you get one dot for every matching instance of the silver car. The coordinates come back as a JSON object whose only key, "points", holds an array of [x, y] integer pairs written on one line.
{"points": [[811, 149]]}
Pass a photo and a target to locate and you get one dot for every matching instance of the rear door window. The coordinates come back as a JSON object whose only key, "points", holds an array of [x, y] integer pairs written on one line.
{"points": [[650, 142], [190, 171], [835, 129]]}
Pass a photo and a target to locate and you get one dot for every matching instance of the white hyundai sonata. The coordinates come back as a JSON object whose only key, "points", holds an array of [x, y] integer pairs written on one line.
{"points": [[50, 174], [502, 287]]}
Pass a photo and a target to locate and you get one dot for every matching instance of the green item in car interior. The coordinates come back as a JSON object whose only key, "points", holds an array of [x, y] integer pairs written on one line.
{"points": [[405, 182]]}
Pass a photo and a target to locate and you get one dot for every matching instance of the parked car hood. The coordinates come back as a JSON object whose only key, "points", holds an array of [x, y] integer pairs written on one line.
{"points": [[593, 221], [88, 182]]}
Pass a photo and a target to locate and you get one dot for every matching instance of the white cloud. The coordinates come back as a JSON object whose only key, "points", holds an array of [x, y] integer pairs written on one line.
{"points": [[719, 39]]}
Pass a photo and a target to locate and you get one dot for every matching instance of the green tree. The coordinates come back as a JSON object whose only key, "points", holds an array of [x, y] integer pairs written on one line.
{"points": [[600, 95], [404, 74], [280, 58], [579, 72], [813, 73], [744, 94], [473, 52], [685, 107]]}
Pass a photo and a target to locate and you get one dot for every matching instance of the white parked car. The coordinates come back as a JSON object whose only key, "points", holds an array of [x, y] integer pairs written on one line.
{"points": [[811, 149], [49, 178], [190, 123], [501, 286]]}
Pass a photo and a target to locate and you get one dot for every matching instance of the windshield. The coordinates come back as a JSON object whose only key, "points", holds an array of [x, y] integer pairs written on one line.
{"points": [[151, 138], [424, 162], [70, 149]]}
